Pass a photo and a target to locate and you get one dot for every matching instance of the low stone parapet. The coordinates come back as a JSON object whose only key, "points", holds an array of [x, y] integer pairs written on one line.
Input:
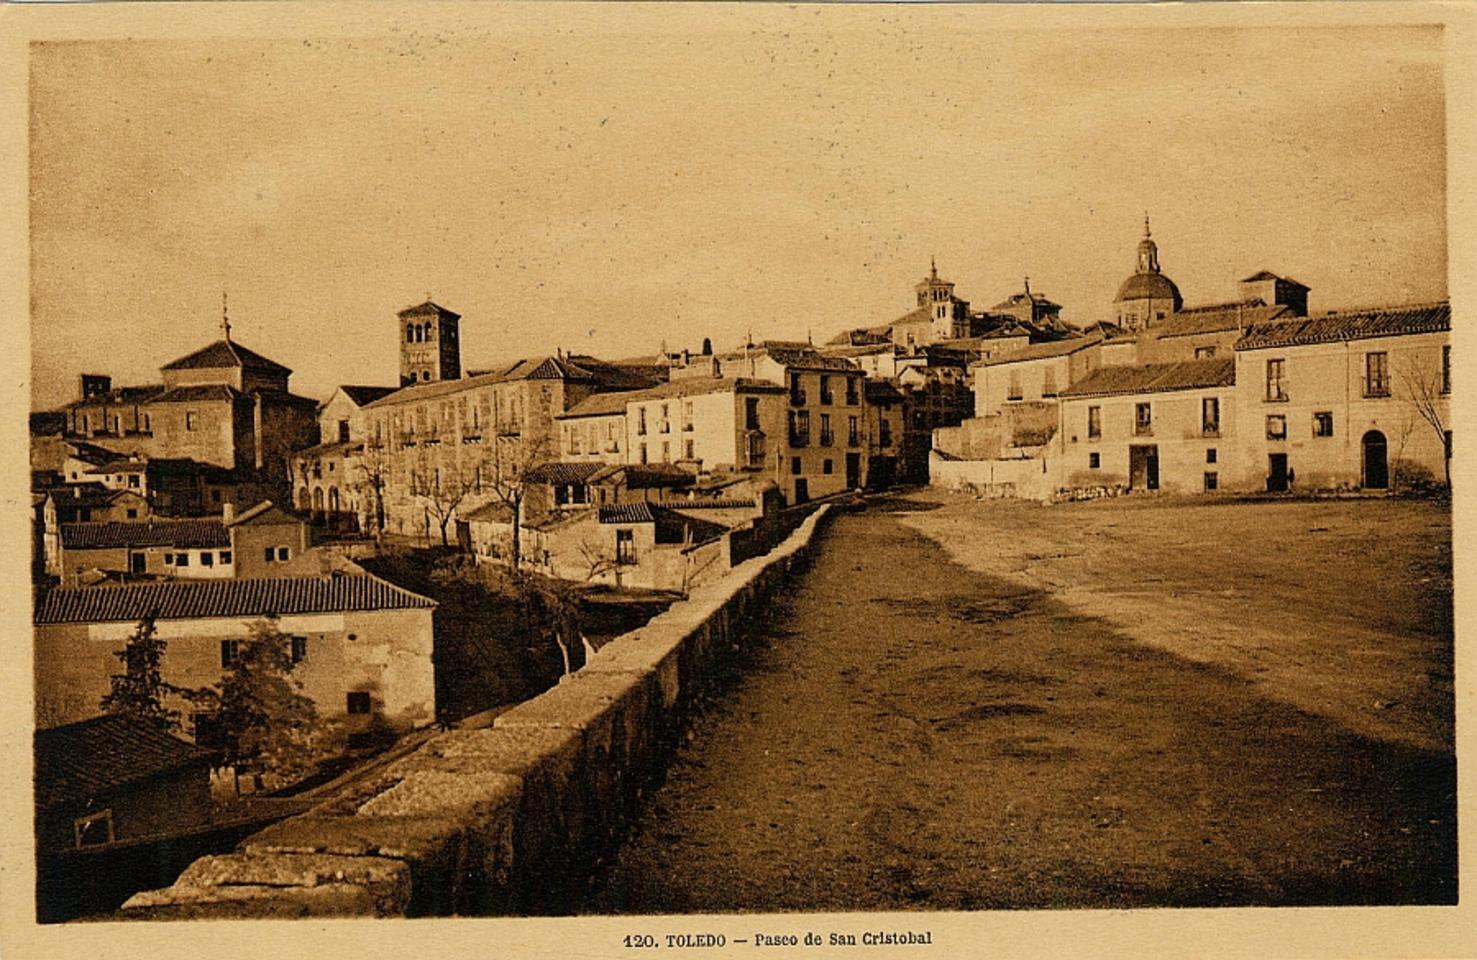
{"points": [[507, 819]]}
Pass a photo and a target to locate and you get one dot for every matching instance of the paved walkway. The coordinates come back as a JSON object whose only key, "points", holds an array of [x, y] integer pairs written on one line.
{"points": [[907, 734]]}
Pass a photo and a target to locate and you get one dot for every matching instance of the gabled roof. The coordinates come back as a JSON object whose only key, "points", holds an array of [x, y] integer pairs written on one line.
{"points": [[198, 392], [1042, 351], [91, 453], [1269, 275], [494, 512], [87, 495], [198, 599], [1016, 299], [563, 472], [363, 395], [1354, 325], [644, 475], [263, 514], [880, 391], [226, 353], [429, 309], [199, 534], [89, 760], [120, 395], [671, 526], [1218, 318], [119, 465], [804, 356], [1155, 378]]}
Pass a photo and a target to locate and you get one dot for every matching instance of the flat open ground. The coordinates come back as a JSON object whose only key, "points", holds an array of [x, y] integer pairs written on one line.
{"points": [[988, 704]]}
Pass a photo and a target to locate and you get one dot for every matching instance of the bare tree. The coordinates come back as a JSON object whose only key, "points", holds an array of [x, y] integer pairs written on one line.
{"points": [[513, 457], [442, 485], [598, 560], [1424, 391], [373, 464]]}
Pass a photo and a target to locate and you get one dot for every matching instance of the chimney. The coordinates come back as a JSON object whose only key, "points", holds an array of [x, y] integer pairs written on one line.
{"points": [[228, 512]]}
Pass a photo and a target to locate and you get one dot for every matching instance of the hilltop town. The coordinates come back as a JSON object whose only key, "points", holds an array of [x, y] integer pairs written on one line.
{"points": [[216, 505]]}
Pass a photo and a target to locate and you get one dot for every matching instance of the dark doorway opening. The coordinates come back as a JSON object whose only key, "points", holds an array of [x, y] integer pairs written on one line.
{"points": [[1376, 463], [1276, 472], [1143, 468], [853, 471]]}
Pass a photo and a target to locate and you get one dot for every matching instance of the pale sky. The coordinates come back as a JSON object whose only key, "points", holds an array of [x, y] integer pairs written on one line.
{"points": [[602, 189]]}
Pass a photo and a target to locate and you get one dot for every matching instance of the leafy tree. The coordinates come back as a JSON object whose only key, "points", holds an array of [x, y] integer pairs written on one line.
{"points": [[139, 691], [266, 723]]}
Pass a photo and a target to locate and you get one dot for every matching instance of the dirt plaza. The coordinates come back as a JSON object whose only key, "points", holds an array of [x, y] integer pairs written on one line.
{"points": [[971, 704]]}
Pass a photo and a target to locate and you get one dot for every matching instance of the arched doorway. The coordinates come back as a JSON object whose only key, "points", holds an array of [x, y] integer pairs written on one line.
{"points": [[1376, 472], [318, 504], [303, 500]]}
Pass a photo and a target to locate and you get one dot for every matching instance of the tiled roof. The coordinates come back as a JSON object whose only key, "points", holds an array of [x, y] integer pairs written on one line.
{"points": [[606, 404], [121, 396], [710, 504], [1219, 318], [1016, 299], [45, 423], [1155, 378], [639, 476], [494, 512], [562, 472], [338, 448], [1357, 325], [536, 368], [203, 391], [1041, 351], [195, 599], [1269, 275], [226, 353], [91, 452], [200, 534], [87, 495], [638, 512], [263, 513], [88, 760], [362, 395], [620, 376], [803, 356], [429, 309], [671, 527], [120, 465]]}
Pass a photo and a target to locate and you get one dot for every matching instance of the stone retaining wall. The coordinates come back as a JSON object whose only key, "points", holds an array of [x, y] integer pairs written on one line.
{"points": [[503, 820]]}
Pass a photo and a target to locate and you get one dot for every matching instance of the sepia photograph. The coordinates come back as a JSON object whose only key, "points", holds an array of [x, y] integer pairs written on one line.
{"points": [[780, 476]]}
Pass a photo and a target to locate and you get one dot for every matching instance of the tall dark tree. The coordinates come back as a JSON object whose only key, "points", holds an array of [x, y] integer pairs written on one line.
{"points": [[267, 724], [139, 691]]}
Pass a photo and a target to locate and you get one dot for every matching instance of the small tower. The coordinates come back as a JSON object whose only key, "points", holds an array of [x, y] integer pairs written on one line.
{"points": [[943, 309], [430, 344], [1148, 296]]}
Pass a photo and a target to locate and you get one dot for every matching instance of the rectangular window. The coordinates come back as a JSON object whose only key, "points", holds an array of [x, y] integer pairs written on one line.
{"points": [[751, 413], [641, 421], [93, 830], [666, 452], [132, 513], [689, 449], [641, 453], [1094, 422], [181, 559], [1212, 480], [169, 559], [1276, 427], [884, 432], [1143, 419], [1210, 416], [797, 392], [133, 480], [299, 649], [1210, 455], [826, 395], [1323, 423], [826, 436], [225, 557], [229, 651], [357, 703], [207, 559], [1048, 383], [853, 432], [1204, 353], [826, 466], [1094, 461], [283, 553], [666, 422], [190, 418], [269, 554], [687, 415], [852, 395], [1446, 369], [795, 465], [343, 431], [1014, 390], [625, 546], [1376, 374], [1276, 380]]}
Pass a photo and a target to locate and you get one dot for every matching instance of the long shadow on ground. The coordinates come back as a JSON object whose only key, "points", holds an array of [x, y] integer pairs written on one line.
{"points": [[904, 733]]}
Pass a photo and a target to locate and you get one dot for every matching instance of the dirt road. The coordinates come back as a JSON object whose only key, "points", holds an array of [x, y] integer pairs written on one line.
{"points": [[914, 734]]}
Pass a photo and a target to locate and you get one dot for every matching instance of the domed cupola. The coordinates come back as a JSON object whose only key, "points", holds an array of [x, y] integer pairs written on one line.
{"points": [[1148, 295]]}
